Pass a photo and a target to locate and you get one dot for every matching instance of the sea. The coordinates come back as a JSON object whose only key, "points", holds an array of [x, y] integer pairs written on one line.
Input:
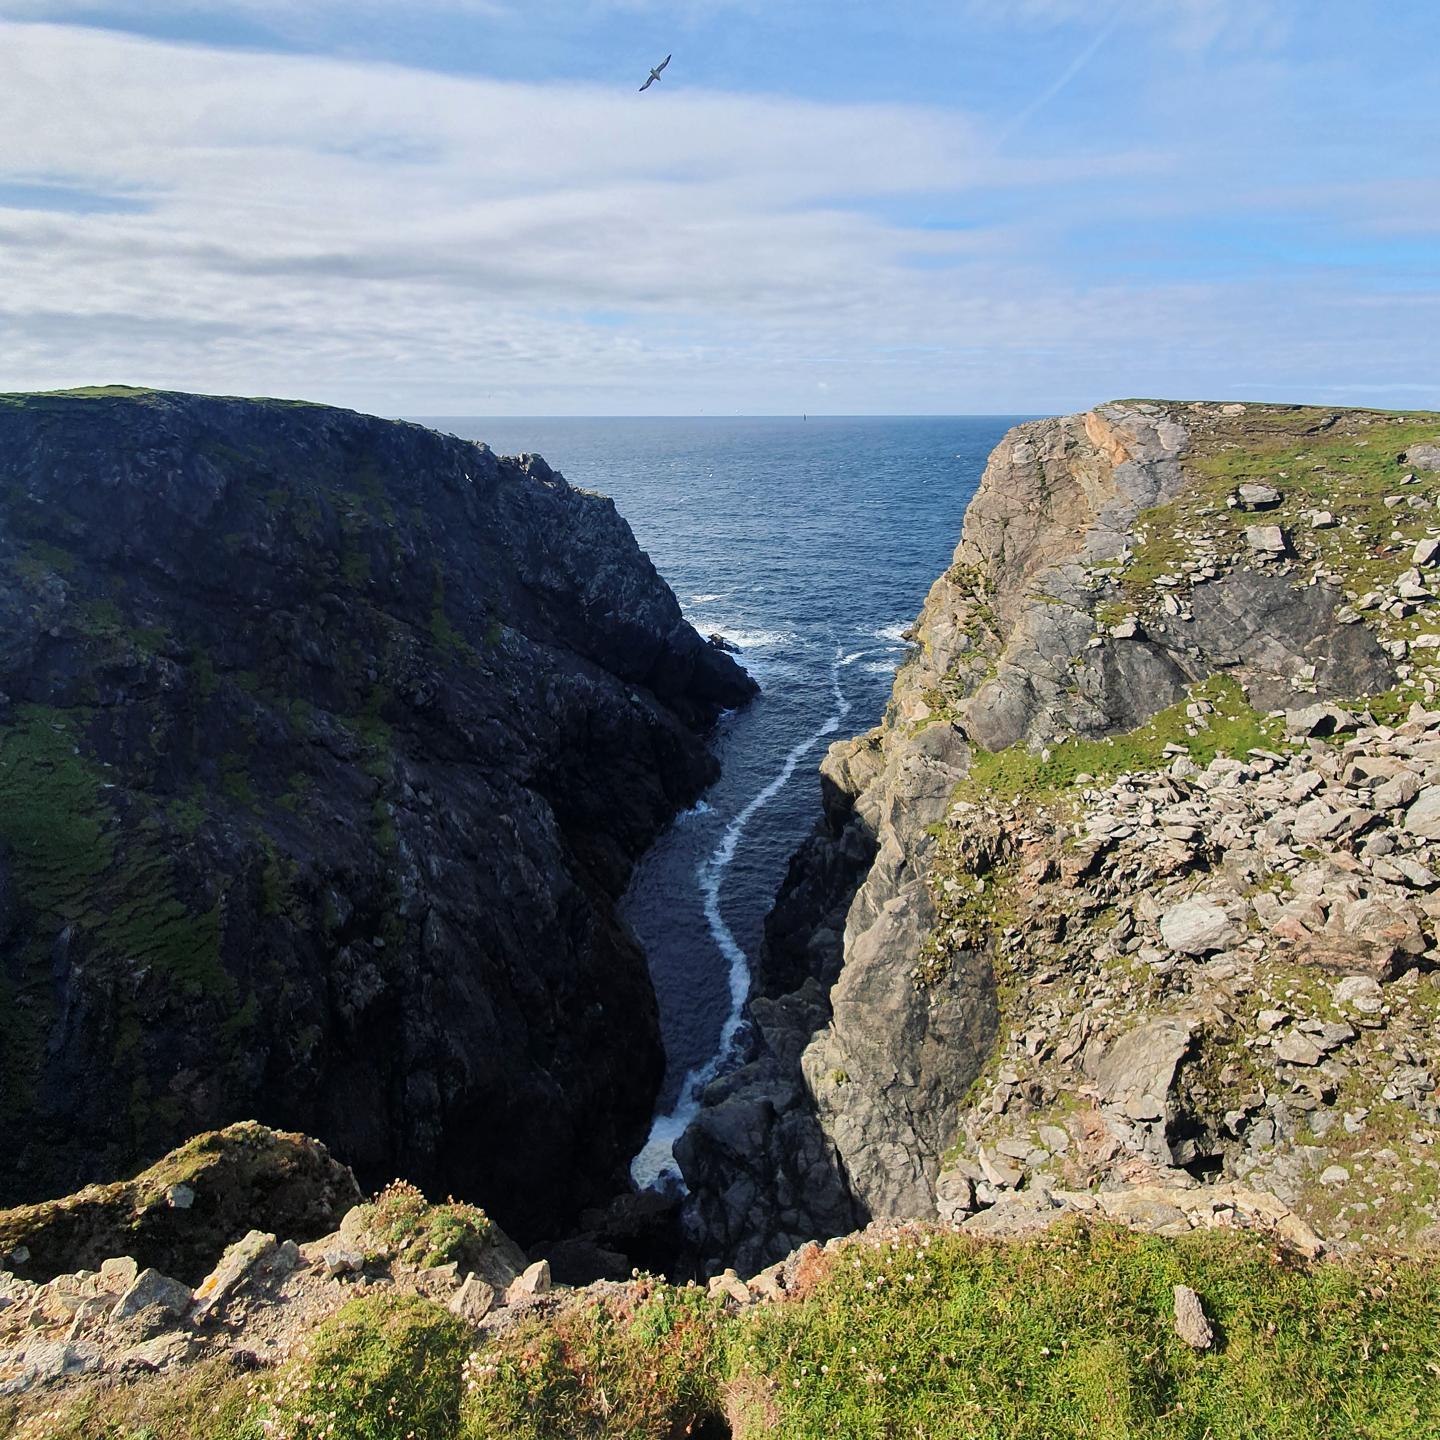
{"points": [[809, 544]]}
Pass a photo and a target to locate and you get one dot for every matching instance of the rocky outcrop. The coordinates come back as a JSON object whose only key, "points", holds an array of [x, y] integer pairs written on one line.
{"points": [[178, 1215], [121, 1351], [257, 1295], [1106, 591], [1232, 980], [83, 1341], [326, 746]]}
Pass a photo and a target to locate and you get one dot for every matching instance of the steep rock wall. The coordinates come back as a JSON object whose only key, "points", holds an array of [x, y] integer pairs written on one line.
{"points": [[1054, 620], [326, 745]]}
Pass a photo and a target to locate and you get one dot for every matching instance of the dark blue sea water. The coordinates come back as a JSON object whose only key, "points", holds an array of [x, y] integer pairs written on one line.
{"points": [[810, 545]]}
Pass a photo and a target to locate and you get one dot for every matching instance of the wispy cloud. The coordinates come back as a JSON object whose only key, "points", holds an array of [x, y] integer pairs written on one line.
{"points": [[1187, 24], [407, 241]]}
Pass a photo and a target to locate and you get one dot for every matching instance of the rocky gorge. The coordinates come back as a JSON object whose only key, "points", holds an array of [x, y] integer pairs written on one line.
{"points": [[1091, 1074]]}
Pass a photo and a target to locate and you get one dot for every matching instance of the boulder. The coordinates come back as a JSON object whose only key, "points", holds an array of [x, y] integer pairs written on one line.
{"points": [[44, 1362], [954, 1195], [535, 1280], [1360, 992], [1422, 457], [158, 1356], [153, 1291], [1318, 720], [340, 1260], [729, 1286], [257, 1256], [1190, 1322], [1423, 816], [1195, 927], [119, 1273], [1293, 1048], [473, 1301], [1266, 541], [1258, 497], [1135, 1073]]}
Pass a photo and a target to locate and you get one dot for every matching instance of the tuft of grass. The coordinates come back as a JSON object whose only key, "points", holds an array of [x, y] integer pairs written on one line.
{"points": [[644, 1365], [407, 1226], [382, 1368]]}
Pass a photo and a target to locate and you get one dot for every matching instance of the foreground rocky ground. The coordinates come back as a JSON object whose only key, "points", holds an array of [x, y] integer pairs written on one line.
{"points": [[423, 1321]]}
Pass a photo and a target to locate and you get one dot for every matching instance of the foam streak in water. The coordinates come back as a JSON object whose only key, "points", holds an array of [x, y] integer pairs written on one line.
{"points": [[655, 1165]]}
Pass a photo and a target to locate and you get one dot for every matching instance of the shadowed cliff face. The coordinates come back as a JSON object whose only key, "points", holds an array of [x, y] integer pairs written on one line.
{"points": [[326, 745]]}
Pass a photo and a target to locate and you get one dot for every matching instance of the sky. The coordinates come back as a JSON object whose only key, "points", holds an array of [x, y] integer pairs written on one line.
{"points": [[465, 207]]}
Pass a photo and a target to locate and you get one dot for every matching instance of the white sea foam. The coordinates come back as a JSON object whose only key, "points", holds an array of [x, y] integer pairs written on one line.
{"points": [[704, 599], [895, 633], [700, 807], [654, 1167], [881, 667], [754, 639]]}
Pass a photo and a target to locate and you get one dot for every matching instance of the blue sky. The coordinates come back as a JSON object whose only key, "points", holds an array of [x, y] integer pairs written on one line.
{"points": [[465, 206]]}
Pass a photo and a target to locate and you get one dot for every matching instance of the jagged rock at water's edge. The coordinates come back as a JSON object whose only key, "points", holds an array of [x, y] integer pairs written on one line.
{"points": [[326, 745]]}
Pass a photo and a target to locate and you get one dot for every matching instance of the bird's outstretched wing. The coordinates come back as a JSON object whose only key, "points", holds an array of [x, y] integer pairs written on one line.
{"points": [[662, 64], [647, 84]]}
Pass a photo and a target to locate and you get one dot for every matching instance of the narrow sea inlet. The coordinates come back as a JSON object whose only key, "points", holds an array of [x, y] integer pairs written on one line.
{"points": [[809, 544]]}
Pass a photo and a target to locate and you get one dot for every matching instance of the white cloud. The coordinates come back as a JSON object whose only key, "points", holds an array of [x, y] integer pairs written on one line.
{"points": [[412, 242]]}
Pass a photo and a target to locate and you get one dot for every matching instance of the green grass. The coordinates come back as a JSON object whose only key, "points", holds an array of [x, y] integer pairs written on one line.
{"points": [[76, 866], [647, 1367], [1234, 728], [1069, 1336], [445, 636], [380, 1369]]}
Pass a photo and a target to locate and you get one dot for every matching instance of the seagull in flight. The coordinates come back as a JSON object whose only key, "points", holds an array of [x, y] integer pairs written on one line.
{"points": [[655, 74]]}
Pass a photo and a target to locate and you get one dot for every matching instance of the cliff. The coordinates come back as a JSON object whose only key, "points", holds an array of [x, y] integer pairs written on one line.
{"points": [[978, 985], [326, 745], [1112, 967]]}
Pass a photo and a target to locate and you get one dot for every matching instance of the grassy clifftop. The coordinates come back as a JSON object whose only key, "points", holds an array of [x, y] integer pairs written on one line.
{"points": [[910, 1332]]}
